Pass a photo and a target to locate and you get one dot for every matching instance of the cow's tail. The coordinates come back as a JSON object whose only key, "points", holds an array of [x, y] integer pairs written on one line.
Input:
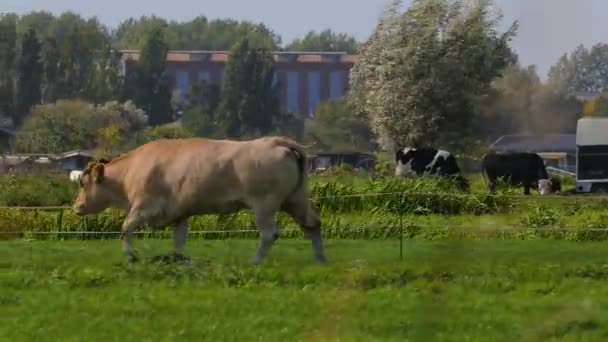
{"points": [[301, 158]]}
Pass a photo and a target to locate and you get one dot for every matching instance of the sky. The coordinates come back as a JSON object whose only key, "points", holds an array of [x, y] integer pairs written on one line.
{"points": [[547, 28]]}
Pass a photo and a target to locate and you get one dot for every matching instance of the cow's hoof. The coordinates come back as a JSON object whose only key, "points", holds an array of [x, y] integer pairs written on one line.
{"points": [[321, 260], [255, 261], [181, 258]]}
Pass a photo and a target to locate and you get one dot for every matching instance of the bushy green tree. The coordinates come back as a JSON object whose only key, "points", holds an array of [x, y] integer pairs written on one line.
{"points": [[105, 82], [200, 117], [419, 74], [76, 124], [582, 71], [30, 77], [520, 103], [326, 40], [52, 70], [250, 102], [8, 48], [337, 126], [199, 33], [152, 83]]}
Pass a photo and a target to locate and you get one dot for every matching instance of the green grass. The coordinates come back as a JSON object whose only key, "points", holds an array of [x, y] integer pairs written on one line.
{"points": [[445, 290]]}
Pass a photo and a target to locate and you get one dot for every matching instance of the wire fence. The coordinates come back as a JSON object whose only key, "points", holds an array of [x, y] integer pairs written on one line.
{"points": [[401, 229], [564, 196]]}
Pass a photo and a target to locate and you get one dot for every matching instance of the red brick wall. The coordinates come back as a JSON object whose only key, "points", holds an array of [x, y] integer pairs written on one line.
{"points": [[216, 66]]}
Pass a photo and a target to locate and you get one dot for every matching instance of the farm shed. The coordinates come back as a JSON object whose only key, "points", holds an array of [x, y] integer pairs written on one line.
{"points": [[361, 160], [557, 150], [75, 160], [26, 163]]}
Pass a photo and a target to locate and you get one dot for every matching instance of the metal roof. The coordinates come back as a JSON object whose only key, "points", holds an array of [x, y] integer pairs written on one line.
{"points": [[86, 153], [535, 143], [592, 131]]}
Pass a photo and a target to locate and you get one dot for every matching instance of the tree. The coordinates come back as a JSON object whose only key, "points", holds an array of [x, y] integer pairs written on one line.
{"points": [[421, 71], [289, 124], [153, 86], [70, 43], [338, 127], [30, 77], [197, 121], [520, 103], [199, 118], [582, 71], [105, 82], [597, 107], [554, 111], [51, 76], [133, 33], [509, 107], [250, 102], [8, 41], [324, 41], [67, 125], [197, 34], [78, 59]]}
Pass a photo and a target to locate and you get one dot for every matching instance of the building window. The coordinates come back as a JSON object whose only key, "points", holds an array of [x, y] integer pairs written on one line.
{"points": [[292, 92], [182, 81], [204, 76], [314, 91], [336, 84]]}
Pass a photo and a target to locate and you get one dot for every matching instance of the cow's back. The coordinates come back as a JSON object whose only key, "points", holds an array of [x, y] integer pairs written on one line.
{"points": [[516, 166], [204, 175]]}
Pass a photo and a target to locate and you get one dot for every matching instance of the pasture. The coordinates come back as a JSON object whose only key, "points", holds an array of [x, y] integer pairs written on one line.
{"points": [[475, 267], [448, 290]]}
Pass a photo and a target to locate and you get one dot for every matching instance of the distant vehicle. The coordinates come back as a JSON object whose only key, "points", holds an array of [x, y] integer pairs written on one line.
{"points": [[592, 155]]}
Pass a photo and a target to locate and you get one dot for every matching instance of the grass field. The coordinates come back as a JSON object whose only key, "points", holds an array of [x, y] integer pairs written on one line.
{"points": [[446, 290]]}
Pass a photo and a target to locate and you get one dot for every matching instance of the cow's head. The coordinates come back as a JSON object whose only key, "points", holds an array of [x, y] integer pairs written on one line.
{"points": [[94, 194], [548, 186], [403, 159]]}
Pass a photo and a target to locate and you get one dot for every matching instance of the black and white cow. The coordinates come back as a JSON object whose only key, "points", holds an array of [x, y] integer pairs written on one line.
{"points": [[428, 161], [519, 169]]}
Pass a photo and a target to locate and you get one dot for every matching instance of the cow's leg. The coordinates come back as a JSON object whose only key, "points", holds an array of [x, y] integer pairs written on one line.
{"points": [[131, 223], [307, 217], [269, 232], [526, 188], [492, 185], [180, 235]]}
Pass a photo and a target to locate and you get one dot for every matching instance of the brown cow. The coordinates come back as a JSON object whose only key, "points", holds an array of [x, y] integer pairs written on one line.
{"points": [[166, 181]]}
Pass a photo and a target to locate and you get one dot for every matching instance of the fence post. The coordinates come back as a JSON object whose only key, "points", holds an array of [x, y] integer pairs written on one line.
{"points": [[60, 220], [401, 236]]}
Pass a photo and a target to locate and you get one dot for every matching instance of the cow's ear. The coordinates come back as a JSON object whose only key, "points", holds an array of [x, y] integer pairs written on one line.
{"points": [[98, 173]]}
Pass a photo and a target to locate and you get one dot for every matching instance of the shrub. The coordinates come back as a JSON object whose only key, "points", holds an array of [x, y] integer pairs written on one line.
{"points": [[75, 124], [36, 190]]}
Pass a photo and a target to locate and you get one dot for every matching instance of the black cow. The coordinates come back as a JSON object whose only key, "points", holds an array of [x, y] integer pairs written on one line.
{"points": [[519, 168], [429, 161]]}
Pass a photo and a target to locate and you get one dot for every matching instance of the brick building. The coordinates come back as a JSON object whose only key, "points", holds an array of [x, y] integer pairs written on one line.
{"points": [[305, 78]]}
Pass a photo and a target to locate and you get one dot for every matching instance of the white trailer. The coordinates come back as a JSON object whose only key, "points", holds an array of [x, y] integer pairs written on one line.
{"points": [[592, 155]]}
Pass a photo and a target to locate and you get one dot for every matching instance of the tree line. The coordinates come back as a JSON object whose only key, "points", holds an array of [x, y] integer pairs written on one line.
{"points": [[50, 59], [436, 73]]}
